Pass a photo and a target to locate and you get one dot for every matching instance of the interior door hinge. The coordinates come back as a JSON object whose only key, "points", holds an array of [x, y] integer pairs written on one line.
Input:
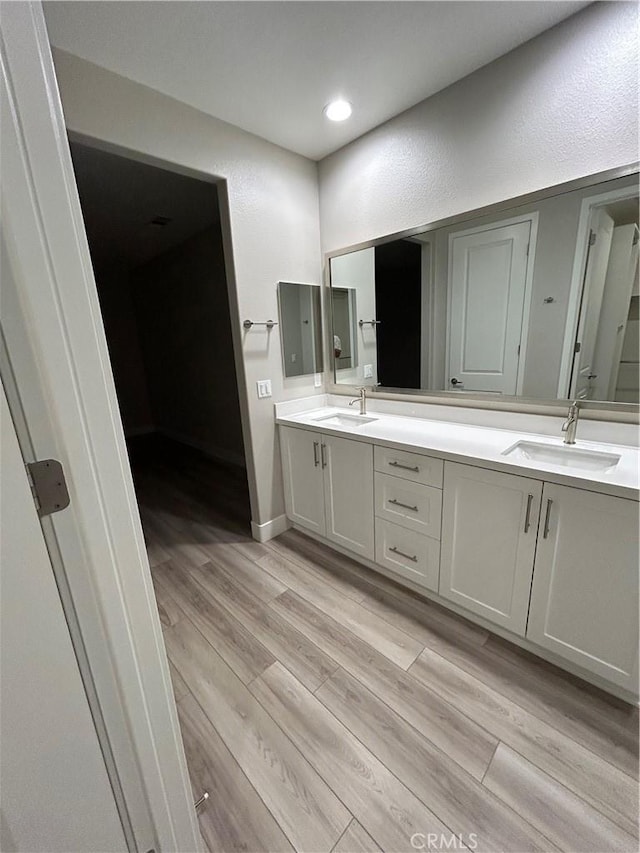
{"points": [[577, 347], [48, 486], [635, 238], [592, 238]]}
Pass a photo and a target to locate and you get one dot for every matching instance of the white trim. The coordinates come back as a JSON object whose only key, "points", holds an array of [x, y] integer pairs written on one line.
{"points": [[59, 359], [220, 454], [270, 529], [577, 281], [532, 218]]}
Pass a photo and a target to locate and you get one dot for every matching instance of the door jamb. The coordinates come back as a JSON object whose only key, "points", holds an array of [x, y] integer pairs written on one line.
{"points": [[577, 282]]}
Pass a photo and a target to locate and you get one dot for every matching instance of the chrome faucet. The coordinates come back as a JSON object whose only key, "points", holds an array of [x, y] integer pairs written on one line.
{"points": [[362, 399], [571, 424]]}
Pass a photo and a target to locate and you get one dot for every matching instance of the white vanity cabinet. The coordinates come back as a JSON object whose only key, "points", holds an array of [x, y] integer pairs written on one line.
{"points": [[553, 565], [489, 524], [328, 487], [584, 600]]}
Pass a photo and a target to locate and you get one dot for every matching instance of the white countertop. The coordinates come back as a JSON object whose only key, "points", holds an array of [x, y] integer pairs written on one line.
{"points": [[479, 445]]}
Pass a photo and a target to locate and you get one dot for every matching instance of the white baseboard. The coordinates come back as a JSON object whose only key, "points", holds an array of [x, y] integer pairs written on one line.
{"points": [[270, 529], [220, 454]]}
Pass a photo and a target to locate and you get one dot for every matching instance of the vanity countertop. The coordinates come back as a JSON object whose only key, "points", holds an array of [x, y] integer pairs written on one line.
{"points": [[480, 445]]}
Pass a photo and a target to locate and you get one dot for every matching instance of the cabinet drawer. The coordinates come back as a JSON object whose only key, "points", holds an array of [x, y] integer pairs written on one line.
{"points": [[409, 466], [408, 504], [407, 553]]}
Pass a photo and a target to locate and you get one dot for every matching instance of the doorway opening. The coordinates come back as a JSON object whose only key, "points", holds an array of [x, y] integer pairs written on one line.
{"points": [[601, 338], [156, 247]]}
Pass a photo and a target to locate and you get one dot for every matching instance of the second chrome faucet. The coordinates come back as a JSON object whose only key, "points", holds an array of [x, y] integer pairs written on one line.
{"points": [[570, 426], [362, 399]]}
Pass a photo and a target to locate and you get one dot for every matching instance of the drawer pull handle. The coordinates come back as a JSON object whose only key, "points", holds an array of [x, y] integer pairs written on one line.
{"points": [[323, 448], [547, 519], [527, 518], [316, 461], [413, 558], [415, 469], [404, 506]]}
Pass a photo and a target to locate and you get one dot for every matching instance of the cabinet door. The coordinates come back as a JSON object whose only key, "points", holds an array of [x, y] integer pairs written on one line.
{"points": [[489, 523], [302, 475], [584, 601], [348, 494]]}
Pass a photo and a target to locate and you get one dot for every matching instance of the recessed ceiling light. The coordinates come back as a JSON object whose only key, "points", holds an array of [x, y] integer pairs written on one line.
{"points": [[338, 110]]}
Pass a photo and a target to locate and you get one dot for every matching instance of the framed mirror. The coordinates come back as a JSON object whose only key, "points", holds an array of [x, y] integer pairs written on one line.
{"points": [[301, 328], [535, 298]]}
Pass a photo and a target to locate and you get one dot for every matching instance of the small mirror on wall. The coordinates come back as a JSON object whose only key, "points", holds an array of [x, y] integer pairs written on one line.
{"points": [[301, 325]]}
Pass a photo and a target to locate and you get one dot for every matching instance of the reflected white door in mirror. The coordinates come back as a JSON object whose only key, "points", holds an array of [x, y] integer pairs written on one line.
{"points": [[534, 298], [542, 553]]}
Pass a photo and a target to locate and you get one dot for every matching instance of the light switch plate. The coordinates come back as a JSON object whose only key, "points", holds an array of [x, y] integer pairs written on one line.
{"points": [[264, 388], [368, 371], [317, 380]]}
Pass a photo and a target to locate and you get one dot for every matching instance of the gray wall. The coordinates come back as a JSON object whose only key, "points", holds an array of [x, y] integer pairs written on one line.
{"points": [[559, 107], [182, 307]]}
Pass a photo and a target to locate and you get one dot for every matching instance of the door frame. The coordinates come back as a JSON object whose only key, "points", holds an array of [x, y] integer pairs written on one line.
{"points": [[58, 358], [532, 218], [577, 283]]}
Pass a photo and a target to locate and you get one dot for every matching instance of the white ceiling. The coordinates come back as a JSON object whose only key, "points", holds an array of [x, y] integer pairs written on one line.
{"points": [[271, 67], [120, 197]]}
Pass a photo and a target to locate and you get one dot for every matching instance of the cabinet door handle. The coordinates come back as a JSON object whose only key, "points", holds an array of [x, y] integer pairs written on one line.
{"points": [[405, 467], [323, 448], [404, 506], [413, 558], [527, 518], [316, 461], [547, 518]]}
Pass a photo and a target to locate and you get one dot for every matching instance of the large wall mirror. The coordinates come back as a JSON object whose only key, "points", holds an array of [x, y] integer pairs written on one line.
{"points": [[538, 299]]}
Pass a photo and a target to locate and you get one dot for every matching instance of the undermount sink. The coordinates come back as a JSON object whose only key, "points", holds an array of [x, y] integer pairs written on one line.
{"points": [[566, 455], [345, 420]]}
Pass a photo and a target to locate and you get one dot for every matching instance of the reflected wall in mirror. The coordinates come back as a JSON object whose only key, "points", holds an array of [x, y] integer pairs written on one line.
{"points": [[301, 328], [539, 300]]}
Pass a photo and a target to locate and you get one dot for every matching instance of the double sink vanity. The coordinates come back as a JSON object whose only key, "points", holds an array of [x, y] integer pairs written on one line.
{"points": [[449, 480], [533, 538]]}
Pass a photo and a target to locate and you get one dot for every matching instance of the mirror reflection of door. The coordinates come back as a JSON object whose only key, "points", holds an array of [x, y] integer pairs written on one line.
{"points": [[487, 287], [343, 303], [605, 365]]}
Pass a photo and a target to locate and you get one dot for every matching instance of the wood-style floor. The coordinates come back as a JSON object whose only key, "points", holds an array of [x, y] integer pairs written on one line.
{"points": [[325, 708]]}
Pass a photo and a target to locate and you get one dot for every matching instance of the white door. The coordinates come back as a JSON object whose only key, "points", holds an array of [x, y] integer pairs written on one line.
{"points": [[58, 361], [621, 274], [584, 601], [584, 370], [487, 285], [489, 522], [302, 476], [348, 493], [56, 794]]}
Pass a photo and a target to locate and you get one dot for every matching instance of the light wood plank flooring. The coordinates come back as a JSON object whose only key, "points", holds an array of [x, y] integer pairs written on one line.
{"points": [[325, 708]]}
